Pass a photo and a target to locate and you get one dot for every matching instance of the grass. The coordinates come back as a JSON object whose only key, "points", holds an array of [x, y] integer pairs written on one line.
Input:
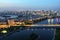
{"points": [[57, 36]]}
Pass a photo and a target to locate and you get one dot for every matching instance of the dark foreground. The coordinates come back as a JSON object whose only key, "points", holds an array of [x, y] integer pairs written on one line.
{"points": [[33, 33], [57, 36]]}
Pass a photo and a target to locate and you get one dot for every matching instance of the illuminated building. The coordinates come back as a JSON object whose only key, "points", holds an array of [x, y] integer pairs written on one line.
{"points": [[11, 22]]}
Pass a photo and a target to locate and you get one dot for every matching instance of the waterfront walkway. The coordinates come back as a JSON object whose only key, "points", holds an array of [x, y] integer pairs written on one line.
{"points": [[53, 25]]}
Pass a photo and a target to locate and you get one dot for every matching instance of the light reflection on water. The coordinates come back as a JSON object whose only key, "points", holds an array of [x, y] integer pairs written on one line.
{"points": [[50, 21]]}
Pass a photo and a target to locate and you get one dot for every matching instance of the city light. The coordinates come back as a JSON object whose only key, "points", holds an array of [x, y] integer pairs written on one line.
{"points": [[4, 31], [20, 23]]}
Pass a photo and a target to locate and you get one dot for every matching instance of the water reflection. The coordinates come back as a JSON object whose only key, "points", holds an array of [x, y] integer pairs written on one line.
{"points": [[53, 21], [57, 20], [50, 21]]}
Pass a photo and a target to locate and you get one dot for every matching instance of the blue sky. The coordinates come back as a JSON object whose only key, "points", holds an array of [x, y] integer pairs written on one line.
{"points": [[30, 4]]}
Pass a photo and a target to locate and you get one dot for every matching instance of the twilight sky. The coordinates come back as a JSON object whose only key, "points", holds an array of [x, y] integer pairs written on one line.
{"points": [[30, 4]]}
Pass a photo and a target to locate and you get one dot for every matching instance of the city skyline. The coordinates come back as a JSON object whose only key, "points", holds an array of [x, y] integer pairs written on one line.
{"points": [[30, 4]]}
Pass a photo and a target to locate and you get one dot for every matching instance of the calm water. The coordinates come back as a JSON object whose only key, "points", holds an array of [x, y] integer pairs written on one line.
{"points": [[43, 34], [50, 21]]}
